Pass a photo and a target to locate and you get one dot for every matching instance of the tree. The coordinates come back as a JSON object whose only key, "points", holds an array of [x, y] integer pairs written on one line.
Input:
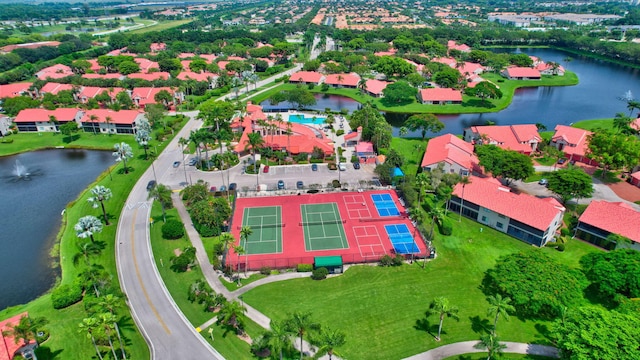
{"points": [[69, 128], [447, 77], [245, 232], [232, 314], [508, 164], [87, 226], [124, 100], [143, 137], [301, 323], [90, 325], [106, 321], [399, 92], [239, 250], [162, 194], [622, 123], [484, 90], [613, 151], [415, 79], [393, 66], [596, 333], [128, 67], [155, 113], [122, 153], [111, 303], [442, 308], [279, 337], [492, 344], [227, 241], [26, 329], [569, 183], [540, 287], [164, 97], [424, 123], [254, 142], [327, 341], [100, 195], [615, 273], [85, 251], [465, 180], [499, 306]]}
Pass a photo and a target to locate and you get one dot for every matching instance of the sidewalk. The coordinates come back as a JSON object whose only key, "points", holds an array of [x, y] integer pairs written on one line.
{"points": [[467, 347]]}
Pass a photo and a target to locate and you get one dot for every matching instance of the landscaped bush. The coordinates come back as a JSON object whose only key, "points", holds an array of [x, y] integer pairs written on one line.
{"points": [[354, 159], [311, 86], [565, 232], [206, 231], [335, 184], [445, 227], [265, 270], [172, 229], [339, 132], [332, 166], [305, 267], [386, 260], [66, 295], [316, 161], [398, 260], [185, 260], [560, 247], [320, 273], [7, 141], [324, 87]]}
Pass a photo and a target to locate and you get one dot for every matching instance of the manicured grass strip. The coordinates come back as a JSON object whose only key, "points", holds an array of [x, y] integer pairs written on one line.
{"points": [[161, 25], [411, 150], [383, 309], [24, 142], [591, 125]]}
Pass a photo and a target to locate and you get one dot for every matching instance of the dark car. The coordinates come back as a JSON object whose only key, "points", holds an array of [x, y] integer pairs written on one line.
{"points": [[562, 161], [300, 185], [193, 161], [233, 186], [356, 166], [176, 164], [314, 167], [280, 184], [151, 184]]}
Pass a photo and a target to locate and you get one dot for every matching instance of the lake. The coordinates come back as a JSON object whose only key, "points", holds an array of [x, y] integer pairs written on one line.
{"points": [[31, 210]]}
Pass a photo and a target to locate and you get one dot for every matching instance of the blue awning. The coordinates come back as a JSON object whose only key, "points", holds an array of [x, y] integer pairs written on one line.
{"points": [[397, 172]]}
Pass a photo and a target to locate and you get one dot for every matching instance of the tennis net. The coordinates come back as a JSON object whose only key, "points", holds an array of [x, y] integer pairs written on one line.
{"points": [[263, 226], [328, 222]]}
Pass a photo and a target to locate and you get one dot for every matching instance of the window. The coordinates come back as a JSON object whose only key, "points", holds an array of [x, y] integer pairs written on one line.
{"points": [[501, 216], [499, 225], [484, 219]]}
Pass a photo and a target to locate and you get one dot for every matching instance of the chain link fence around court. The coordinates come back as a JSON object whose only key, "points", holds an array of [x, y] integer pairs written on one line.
{"points": [[361, 186]]}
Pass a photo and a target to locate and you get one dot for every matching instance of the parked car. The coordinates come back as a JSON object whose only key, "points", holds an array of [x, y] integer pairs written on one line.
{"points": [[233, 186], [212, 189], [314, 167], [176, 164], [300, 185], [151, 184], [192, 162], [280, 185], [223, 188], [356, 165], [342, 167], [543, 182], [562, 161], [572, 162], [265, 169]]}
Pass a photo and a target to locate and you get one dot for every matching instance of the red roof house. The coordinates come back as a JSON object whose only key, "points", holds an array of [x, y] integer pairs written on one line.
{"points": [[155, 47], [602, 218], [451, 62], [8, 345], [375, 87], [343, 80], [40, 120], [107, 121], [146, 65], [521, 73], [440, 96], [160, 75], [573, 142], [143, 96], [523, 138], [54, 88], [548, 69], [210, 78], [353, 138], [104, 76], [306, 77], [57, 71], [635, 124], [90, 92], [523, 216], [452, 45], [634, 179], [34, 45], [455, 154], [13, 90]]}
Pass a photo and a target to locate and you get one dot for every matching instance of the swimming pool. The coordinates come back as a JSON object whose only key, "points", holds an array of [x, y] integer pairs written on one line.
{"points": [[301, 119]]}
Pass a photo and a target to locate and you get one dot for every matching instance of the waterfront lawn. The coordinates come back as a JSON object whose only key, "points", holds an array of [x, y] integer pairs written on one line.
{"points": [[161, 25], [23, 142], [411, 150], [383, 310], [591, 125]]}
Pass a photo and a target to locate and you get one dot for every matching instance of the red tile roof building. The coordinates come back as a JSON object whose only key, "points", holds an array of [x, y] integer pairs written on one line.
{"points": [[306, 77], [103, 76], [54, 88], [146, 65], [375, 87], [155, 47], [40, 120], [440, 96], [573, 142], [210, 78], [57, 71], [522, 138], [342, 80], [452, 45], [521, 73], [635, 124], [602, 218], [634, 179], [354, 137], [143, 96], [455, 154], [13, 90], [90, 92], [548, 69], [8, 345], [107, 121], [523, 216], [35, 45], [160, 75]]}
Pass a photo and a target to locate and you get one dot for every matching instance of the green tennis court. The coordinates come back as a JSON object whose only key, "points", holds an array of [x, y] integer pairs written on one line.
{"points": [[323, 227], [266, 226]]}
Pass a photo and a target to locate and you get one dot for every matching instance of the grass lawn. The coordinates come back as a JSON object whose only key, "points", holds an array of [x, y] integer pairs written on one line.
{"points": [[161, 25], [411, 151], [536, 177], [606, 124], [504, 356], [24, 142], [383, 309], [469, 104]]}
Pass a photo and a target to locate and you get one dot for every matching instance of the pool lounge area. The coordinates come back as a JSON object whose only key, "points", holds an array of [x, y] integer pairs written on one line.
{"points": [[302, 119]]}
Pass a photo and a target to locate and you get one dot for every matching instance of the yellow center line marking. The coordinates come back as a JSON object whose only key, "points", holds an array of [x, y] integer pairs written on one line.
{"points": [[144, 289]]}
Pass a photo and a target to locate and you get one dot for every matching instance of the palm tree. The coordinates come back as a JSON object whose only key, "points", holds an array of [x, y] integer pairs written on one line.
{"points": [[26, 329], [106, 321], [289, 133], [492, 344], [465, 180], [87, 226], [123, 152], [232, 313], [93, 119], [362, 85], [279, 337], [254, 142], [162, 194], [227, 241], [403, 131], [108, 120], [111, 303], [100, 195], [442, 308], [623, 123], [143, 137], [85, 251], [421, 180], [239, 250], [301, 323], [245, 232], [90, 325], [499, 306], [328, 341], [94, 275]]}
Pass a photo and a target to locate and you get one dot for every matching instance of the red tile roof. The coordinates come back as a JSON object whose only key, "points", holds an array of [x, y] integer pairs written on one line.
{"points": [[452, 150], [345, 79], [146, 64], [510, 137], [61, 114], [575, 137], [126, 117], [203, 76], [452, 45], [105, 76], [306, 76], [635, 124], [146, 95], [57, 71], [8, 346], [445, 60], [440, 94], [55, 88], [10, 48], [88, 92], [13, 90], [186, 55], [636, 175], [525, 208], [376, 86], [364, 147], [523, 72], [614, 217], [160, 75]]}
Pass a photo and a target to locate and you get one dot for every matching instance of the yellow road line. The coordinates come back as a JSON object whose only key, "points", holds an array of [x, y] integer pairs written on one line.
{"points": [[144, 289]]}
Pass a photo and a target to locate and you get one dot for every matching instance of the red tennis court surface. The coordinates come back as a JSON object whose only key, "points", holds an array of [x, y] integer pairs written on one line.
{"points": [[364, 228]]}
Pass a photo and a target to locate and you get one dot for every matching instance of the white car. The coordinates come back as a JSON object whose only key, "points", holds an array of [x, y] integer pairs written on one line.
{"points": [[342, 167]]}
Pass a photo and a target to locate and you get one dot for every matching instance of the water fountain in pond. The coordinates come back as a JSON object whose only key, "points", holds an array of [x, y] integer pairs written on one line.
{"points": [[21, 172]]}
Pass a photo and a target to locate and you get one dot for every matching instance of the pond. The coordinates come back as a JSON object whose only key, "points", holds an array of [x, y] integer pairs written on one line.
{"points": [[36, 187], [323, 101]]}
